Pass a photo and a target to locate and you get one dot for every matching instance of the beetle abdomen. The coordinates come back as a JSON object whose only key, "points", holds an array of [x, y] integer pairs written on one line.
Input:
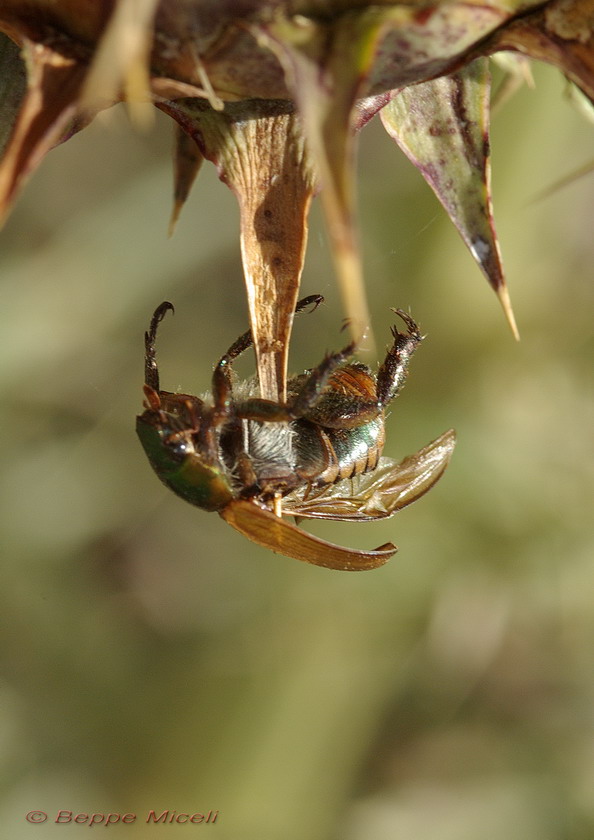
{"points": [[353, 451], [326, 456], [343, 434]]}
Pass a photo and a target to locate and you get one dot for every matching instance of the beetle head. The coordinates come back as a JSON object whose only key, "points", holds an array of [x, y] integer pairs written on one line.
{"points": [[174, 454]]}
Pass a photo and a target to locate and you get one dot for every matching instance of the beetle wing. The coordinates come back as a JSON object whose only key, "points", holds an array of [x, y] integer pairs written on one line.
{"points": [[379, 493], [263, 527]]}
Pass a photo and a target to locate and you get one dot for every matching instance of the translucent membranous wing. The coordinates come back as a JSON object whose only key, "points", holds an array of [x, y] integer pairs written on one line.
{"points": [[377, 494]]}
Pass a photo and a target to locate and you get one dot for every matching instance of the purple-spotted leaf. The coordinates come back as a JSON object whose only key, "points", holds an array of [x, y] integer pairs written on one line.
{"points": [[331, 62], [560, 32], [443, 127]]}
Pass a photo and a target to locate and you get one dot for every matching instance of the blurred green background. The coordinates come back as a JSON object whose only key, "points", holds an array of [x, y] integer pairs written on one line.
{"points": [[154, 659]]}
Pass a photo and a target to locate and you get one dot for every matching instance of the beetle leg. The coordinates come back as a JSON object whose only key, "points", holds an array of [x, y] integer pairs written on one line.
{"points": [[351, 404], [305, 398], [247, 475], [263, 411], [355, 397], [311, 389], [151, 371], [349, 400], [245, 341], [238, 459], [221, 378], [392, 373], [301, 404]]}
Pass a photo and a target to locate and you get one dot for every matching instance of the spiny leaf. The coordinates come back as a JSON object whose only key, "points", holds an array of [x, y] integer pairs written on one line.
{"points": [[517, 73], [561, 33], [120, 67], [47, 115], [13, 87], [331, 62], [443, 127], [325, 69], [187, 162]]}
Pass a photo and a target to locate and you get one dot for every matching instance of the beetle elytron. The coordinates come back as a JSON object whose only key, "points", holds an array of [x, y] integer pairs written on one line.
{"points": [[317, 455]]}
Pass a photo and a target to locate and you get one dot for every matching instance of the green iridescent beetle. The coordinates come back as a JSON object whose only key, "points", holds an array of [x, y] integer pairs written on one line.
{"points": [[316, 456]]}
